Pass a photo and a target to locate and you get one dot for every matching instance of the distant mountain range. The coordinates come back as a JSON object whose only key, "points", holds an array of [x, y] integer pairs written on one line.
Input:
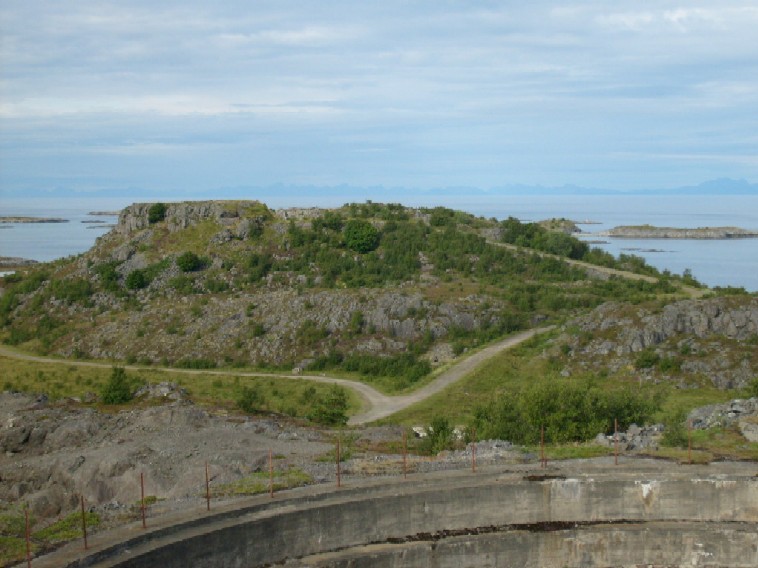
{"points": [[342, 193]]}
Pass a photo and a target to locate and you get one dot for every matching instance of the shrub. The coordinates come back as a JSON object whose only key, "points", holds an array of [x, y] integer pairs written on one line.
{"points": [[361, 236], [569, 412], [136, 280], [117, 390], [156, 213], [71, 290], [330, 408], [189, 262], [250, 399], [646, 359], [439, 436], [675, 432]]}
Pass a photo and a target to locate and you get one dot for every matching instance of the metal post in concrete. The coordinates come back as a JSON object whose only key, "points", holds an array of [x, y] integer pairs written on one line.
{"points": [[339, 475], [207, 489], [142, 499], [473, 450], [405, 454], [28, 540], [84, 525], [270, 473], [543, 461], [616, 441], [689, 440]]}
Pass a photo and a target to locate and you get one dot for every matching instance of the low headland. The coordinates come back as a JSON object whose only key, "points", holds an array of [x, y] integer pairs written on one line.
{"points": [[652, 232]]}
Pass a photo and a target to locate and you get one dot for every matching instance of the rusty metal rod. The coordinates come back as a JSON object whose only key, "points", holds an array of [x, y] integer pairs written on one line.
{"points": [[270, 473], [339, 475], [207, 489], [142, 500], [28, 540], [84, 525]]}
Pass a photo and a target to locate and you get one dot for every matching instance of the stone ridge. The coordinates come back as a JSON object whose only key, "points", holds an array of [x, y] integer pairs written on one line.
{"points": [[181, 215]]}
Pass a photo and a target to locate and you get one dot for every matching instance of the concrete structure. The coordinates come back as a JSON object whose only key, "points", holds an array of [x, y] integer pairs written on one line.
{"points": [[569, 516]]}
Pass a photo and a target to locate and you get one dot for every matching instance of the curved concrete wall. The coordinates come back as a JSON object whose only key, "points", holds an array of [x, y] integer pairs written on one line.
{"points": [[648, 544], [317, 523]]}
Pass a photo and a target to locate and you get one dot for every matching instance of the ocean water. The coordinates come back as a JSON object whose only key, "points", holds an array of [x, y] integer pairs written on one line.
{"points": [[713, 262]]}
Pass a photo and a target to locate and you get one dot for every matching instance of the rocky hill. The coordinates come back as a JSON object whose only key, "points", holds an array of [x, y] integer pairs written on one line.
{"points": [[693, 342], [376, 289]]}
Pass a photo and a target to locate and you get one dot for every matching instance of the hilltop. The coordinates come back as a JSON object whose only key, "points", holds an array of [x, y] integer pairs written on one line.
{"points": [[380, 291]]}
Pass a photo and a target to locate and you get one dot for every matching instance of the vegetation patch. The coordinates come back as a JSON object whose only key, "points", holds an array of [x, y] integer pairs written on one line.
{"points": [[259, 482]]}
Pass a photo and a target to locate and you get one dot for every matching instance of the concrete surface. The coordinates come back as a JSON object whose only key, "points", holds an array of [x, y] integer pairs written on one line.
{"points": [[639, 512]]}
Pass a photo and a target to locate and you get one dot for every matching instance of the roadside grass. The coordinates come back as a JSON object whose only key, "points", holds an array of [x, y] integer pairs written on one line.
{"points": [[292, 397]]}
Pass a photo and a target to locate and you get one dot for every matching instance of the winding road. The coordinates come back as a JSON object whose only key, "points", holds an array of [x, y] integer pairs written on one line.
{"points": [[376, 404]]}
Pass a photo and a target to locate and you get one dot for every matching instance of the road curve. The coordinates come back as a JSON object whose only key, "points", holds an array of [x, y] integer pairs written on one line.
{"points": [[376, 405]]}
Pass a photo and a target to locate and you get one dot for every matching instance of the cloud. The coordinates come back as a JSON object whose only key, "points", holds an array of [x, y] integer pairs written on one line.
{"points": [[465, 92]]}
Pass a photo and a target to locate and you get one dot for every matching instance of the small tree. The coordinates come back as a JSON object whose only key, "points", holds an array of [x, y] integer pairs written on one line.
{"points": [[136, 280], [361, 236], [330, 408], [250, 399], [156, 213], [117, 389], [189, 262]]}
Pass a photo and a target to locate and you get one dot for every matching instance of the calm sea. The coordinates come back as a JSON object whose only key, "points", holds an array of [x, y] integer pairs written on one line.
{"points": [[716, 263]]}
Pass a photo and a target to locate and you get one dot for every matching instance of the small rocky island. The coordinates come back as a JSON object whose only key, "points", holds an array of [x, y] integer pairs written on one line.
{"points": [[32, 220], [651, 232]]}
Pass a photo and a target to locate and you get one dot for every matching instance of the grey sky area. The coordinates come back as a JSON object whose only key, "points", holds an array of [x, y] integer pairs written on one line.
{"points": [[190, 96]]}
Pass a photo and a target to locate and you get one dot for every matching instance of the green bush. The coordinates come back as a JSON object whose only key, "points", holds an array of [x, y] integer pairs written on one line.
{"points": [[117, 390], [361, 236], [189, 262], [439, 436], [156, 213], [646, 359], [108, 274], [250, 399], [330, 408], [675, 431], [136, 280], [569, 412], [73, 290]]}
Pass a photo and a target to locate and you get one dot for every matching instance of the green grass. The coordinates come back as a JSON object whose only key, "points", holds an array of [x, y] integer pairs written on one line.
{"points": [[572, 451], [68, 528], [507, 371], [258, 482], [292, 397]]}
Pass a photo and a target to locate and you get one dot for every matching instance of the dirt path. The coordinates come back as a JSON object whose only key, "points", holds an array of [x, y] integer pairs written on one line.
{"points": [[387, 405], [589, 268], [376, 404]]}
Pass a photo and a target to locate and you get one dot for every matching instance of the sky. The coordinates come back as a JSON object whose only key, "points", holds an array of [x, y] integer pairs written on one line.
{"points": [[178, 97]]}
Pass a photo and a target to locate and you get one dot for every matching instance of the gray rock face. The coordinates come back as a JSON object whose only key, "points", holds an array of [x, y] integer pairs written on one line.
{"points": [[710, 338], [237, 214], [635, 438], [722, 415]]}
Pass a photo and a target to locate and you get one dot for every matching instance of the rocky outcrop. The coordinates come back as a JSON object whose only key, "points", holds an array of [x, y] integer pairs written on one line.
{"points": [[272, 325], [712, 338], [179, 216], [635, 438], [651, 232], [742, 413], [696, 318]]}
